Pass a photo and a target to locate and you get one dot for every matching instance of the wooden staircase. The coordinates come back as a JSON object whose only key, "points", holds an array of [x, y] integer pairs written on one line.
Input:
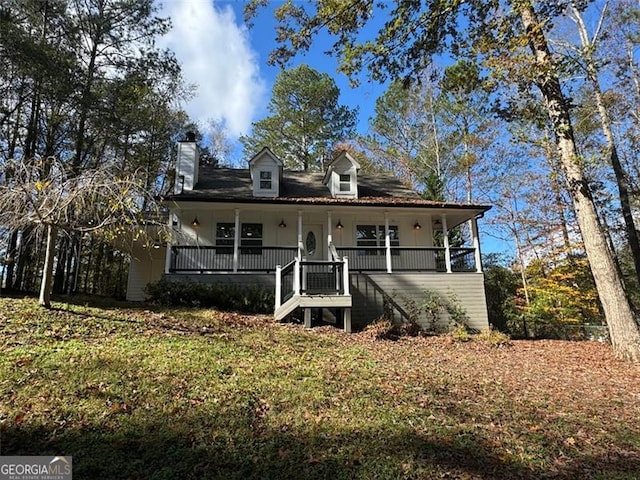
{"points": [[313, 284]]}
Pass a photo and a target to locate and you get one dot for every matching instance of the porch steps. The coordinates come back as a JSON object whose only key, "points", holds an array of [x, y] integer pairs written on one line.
{"points": [[286, 309], [312, 301]]}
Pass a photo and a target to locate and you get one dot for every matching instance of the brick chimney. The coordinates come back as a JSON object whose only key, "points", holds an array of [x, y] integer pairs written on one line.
{"points": [[187, 164]]}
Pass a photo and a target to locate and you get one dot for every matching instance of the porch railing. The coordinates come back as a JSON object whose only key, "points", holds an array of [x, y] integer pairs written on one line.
{"points": [[429, 259], [302, 277], [191, 258], [206, 259], [286, 279], [463, 259], [319, 277]]}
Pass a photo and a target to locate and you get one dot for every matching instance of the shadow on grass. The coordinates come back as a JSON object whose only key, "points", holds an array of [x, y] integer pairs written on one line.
{"points": [[103, 302], [166, 451]]}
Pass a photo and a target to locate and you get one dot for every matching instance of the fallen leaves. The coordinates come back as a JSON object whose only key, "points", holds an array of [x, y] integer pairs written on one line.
{"points": [[306, 402]]}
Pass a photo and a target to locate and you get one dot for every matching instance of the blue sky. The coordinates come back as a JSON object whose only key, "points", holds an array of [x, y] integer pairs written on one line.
{"points": [[226, 62]]}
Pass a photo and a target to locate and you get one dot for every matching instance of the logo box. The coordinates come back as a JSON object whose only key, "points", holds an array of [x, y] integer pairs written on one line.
{"points": [[36, 468]]}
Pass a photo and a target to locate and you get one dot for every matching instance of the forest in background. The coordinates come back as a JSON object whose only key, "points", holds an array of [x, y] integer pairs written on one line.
{"points": [[83, 83]]}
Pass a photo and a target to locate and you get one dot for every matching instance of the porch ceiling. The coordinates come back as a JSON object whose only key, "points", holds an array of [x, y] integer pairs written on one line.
{"points": [[455, 213]]}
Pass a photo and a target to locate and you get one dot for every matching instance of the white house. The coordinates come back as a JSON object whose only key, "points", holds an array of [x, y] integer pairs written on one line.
{"points": [[339, 242]]}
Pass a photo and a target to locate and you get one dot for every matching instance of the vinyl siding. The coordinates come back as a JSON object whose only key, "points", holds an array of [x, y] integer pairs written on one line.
{"points": [[146, 266], [467, 287]]}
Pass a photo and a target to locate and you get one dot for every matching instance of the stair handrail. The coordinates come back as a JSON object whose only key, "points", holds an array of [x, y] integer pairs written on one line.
{"points": [[403, 313], [302, 251], [333, 253], [280, 272]]}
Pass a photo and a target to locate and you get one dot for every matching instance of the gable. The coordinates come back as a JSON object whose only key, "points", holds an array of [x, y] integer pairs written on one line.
{"points": [[342, 177], [265, 169]]}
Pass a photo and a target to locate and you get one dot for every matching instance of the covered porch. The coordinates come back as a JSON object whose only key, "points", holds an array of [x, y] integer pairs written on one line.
{"points": [[241, 240], [213, 259], [331, 258]]}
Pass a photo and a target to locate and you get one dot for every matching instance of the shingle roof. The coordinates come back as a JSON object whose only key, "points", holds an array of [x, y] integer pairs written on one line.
{"points": [[234, 185]]}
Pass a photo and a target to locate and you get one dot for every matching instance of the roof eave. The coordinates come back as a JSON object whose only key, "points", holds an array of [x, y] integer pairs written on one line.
{"points": [[393, 202]]}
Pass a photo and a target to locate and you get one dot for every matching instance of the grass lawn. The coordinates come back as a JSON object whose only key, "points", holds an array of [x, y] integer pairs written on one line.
{"points": [[144, 393]]}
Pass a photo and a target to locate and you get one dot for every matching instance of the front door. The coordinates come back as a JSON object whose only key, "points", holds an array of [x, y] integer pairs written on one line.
{"points": [[314, 242]]}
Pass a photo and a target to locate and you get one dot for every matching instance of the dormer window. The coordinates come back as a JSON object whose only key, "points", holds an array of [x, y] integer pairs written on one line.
{"points": [[342, 177], [266, 174], [265, 180], [345, 183]]}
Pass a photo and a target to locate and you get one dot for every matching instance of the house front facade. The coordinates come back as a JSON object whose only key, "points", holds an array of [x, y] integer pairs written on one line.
{"points": [[340, 244]]}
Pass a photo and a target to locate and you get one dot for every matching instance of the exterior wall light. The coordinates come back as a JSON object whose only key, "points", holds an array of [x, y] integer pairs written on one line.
{"points": [[417, 226], [195, 223], [282, 224], [339, 225]]}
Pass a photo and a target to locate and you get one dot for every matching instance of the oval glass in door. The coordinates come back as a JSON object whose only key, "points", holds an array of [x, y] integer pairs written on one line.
{"points": [[310, 243]]}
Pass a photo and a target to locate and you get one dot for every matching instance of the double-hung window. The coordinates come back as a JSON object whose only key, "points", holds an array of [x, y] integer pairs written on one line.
{"points": [[266, 181], [345, 183], [250, 238], [225, 233], [373, 236]]}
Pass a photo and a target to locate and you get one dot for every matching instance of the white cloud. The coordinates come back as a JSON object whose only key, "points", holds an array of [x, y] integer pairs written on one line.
{"points": [[216, 56]]}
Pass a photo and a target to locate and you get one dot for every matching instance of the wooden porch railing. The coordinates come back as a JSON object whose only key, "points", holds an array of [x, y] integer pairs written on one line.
{"points": [[203, 259], [428, 259], [302, 277], [208, 259]]}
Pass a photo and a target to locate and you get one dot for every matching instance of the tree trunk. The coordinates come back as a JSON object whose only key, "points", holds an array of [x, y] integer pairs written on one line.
{"points": [[10, 258], [88, 264], [74, 269], [551, 157], [47, 271], [97, 269], [623, 329], [605, 124], [58, 277], [25, 255]]}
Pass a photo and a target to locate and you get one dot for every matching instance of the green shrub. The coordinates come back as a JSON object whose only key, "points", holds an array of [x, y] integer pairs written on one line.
{"points": [[410, 327], [433, 306], [460, 333], [457, 313], [387, 307], [229, 297]]}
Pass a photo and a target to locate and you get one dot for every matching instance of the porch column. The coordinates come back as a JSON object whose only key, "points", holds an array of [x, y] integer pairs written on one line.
{"points": [[300, 234], [476, 244], [296, 278], [329, 236], [346, 318], [447, 250], [167, 259], [236, 240], [168, 253], [346, 312], [387, 242], [278, 286], [346, 280]]}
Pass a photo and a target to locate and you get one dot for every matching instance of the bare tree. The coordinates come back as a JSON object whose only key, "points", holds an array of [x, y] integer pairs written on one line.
{"points": [[43, 195]]}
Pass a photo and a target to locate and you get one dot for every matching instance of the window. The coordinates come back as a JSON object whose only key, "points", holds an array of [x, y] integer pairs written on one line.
{"points": [[265, 180], [251, 236], [373, 236], [311, 243], [345, 183], [225, 232]]}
